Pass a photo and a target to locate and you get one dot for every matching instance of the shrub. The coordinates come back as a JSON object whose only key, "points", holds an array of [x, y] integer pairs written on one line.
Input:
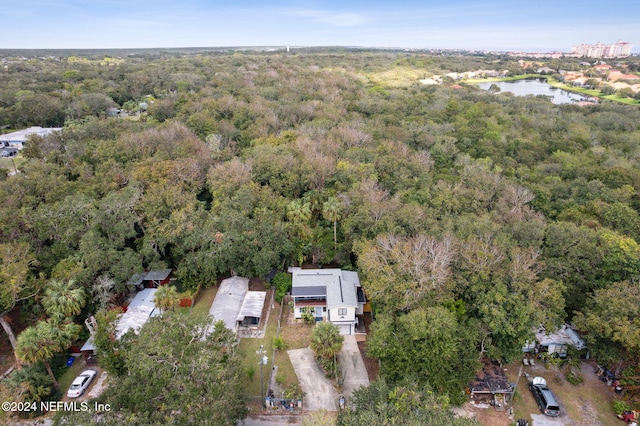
{"points": [[282, 283], [279, 343], [620, 406], [307, 315], [293, 392], [251, 371], [574, 378]]}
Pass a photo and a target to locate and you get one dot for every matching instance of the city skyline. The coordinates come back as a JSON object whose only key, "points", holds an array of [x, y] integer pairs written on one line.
{"points": [[458, 24]]}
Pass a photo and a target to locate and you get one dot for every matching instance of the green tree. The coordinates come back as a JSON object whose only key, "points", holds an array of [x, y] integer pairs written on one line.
{"points": [[428, 344], [39, 343], [331, 210], [180, 371], [166, 297], [112, 352], [63, 299], [326, 340], [28, 384], [405, 403], [15, 282], [610, 322]]}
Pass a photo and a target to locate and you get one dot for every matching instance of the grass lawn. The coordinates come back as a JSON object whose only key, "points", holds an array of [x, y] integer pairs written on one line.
{"points": [[251, 359], [7, 163], [69, 374], [205, 299], [295, 336]]}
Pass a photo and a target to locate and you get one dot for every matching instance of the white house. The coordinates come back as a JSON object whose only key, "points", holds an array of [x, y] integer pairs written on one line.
{"points": [[18, 139], [330, 295]]}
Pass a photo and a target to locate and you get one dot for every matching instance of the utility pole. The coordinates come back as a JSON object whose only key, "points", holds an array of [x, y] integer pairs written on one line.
{"points": [[263, 361]]}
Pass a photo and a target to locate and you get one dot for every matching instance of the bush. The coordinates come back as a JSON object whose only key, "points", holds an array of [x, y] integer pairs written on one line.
{"points": [[282, 283], [574, 378], [307, 315], [29, 384], [251, 371], [620, 406], [279, 343]]}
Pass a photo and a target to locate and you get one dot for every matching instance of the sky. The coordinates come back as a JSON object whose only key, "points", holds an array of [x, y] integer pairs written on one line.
{"points": [[498, 25]]}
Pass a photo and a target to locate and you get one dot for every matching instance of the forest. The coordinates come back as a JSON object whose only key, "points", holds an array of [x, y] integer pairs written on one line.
{"points": [[472, 218]]}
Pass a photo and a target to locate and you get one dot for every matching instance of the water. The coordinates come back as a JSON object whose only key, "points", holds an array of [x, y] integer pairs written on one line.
{"points": [[535, 86]]}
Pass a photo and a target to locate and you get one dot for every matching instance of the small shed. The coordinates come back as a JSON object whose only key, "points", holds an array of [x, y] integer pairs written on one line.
{"points": [[157, 278], [88, 348], [251, 310], [492, 386], [136, 281]]}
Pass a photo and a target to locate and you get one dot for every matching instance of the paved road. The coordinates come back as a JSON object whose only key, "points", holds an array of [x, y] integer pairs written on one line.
{"points": [[319, 392], [353, 368]]}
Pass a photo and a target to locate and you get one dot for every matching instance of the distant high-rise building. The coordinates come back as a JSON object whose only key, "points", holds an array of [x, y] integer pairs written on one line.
{"points": [[600, 50]]}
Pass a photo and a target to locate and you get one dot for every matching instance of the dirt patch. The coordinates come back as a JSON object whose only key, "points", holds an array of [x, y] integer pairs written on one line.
{"points": [[586, 404], [256, 284], [484, 413], [371, 364], [296, 334]]}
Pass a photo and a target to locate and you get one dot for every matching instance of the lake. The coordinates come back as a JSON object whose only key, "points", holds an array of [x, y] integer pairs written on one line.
{"points": [[535, 86]]}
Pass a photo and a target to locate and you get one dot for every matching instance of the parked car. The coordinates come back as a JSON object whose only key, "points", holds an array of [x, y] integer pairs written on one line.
{"points": [[544, 397], [81, 383]]}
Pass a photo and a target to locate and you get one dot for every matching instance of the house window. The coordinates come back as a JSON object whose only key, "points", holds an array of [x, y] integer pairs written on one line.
{"points": [[342, 311]]}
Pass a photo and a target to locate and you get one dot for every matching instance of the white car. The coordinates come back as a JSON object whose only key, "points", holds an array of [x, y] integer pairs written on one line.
{"points": [[81, 383]]}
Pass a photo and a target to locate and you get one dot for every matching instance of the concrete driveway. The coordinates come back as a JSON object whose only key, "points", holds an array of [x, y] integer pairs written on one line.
{"points": [[319, 391], [355, 373]]}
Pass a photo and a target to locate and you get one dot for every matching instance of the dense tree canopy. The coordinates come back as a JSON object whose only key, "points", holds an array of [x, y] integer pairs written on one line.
{"points": [[479, 215], [179, 371]]}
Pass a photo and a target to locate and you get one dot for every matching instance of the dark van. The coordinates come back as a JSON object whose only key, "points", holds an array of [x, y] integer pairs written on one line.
{"points": [[544, 397]]}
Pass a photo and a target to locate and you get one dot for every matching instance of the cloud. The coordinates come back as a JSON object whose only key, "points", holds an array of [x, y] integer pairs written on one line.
{"points": [[335, 19]]}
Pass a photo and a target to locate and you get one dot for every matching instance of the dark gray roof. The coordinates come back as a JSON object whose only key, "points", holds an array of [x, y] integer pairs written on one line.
{"points": [[309, 291], [136, 279], [157, 275]]}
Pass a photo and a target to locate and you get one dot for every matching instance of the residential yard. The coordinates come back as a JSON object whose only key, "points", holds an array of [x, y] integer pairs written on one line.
{"points": [[295, 336], [588, 404], [204, 301]]}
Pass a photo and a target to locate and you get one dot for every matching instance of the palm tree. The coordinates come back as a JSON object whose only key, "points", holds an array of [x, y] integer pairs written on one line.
{"points": [[299, 211], [166, 297], [331, 211], [39, 343], [326, 340], [63, 299]]}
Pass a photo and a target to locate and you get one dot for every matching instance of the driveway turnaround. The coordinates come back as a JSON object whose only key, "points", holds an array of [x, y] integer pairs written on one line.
{"points": [[319, 391], [542, 420], [355, 373]]}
